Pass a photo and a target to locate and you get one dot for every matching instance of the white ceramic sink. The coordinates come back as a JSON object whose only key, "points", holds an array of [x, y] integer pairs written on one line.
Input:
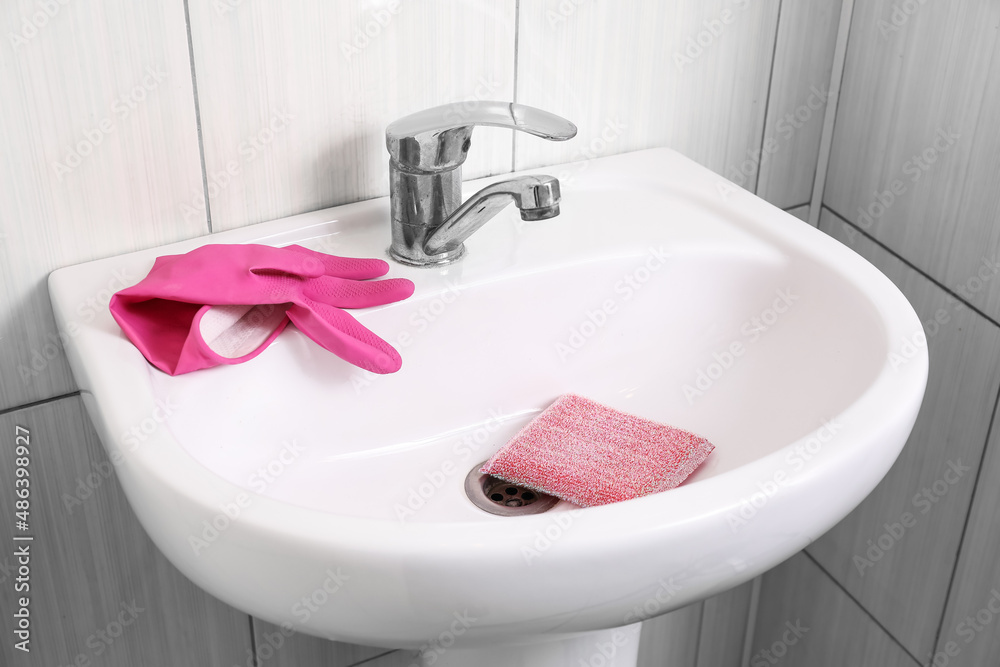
{"points": [[337, 496]]}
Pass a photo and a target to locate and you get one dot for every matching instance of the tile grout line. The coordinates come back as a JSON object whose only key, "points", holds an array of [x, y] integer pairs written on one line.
{"points": [[787, 209], [965, 526], [197, 119], [767, 99], [697, 644], [253, 641], [751, 626], [914, 267], [35, 404], [374, 658], [829, 119], [861, 607], [517, 40]]}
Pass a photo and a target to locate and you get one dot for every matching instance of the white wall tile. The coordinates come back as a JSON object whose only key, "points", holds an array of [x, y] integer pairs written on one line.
{"points": [[99, 144], [90, 561], [804, 618], [724, 627], [671, 639], [904, 583], [632, 75], [915, 150], [800, 212], [797, 103], [295, 97], [976, 583]]}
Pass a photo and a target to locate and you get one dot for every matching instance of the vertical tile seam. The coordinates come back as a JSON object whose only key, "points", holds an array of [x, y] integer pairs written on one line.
{"points": [[770, 90], [830, 118], [197, 118], [701, 625], [517, 39], [253, 630], [751, 625]]}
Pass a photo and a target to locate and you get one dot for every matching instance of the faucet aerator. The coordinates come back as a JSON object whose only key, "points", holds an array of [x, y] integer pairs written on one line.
{"points": [[540, 213]]}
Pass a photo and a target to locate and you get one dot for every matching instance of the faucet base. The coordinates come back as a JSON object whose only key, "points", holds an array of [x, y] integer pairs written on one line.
{"points": [[414, 257]]}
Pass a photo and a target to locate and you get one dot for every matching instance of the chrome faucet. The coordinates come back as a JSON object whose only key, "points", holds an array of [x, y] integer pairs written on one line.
{"points": [[427, 149]]}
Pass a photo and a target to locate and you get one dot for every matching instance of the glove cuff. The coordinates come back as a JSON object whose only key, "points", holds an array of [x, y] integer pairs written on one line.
{"points": [[222, 335]]}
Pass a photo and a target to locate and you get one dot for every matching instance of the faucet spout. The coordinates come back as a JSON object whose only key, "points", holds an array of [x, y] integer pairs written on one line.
{"points": [[537, 197]]}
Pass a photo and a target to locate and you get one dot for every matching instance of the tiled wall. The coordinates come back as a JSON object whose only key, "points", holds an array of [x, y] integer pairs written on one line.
{"points": [[100, 144], [130, 126], [914, 186], [132, 123]]}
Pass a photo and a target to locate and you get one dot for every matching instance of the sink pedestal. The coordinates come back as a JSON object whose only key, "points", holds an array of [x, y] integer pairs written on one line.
{"points": [[617, 647]]}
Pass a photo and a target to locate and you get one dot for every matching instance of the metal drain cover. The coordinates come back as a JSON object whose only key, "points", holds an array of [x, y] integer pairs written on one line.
{"points": [[496, 496]]}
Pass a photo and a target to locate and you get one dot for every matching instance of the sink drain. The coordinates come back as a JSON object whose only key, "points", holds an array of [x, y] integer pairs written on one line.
{"points": [[496, 496]]}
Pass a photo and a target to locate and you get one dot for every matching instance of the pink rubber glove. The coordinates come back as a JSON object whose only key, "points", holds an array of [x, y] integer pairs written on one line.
{"points": [[223, 304]]}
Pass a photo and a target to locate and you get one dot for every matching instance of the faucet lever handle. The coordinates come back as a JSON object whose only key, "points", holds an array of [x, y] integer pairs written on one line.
{"points": [[438, 139]]}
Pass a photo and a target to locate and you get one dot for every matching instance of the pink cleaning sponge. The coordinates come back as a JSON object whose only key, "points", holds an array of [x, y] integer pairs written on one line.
{"points": [[590, 454]]}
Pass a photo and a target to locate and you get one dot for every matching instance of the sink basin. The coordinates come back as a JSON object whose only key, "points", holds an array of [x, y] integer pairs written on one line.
{"points": [[305, 491]]}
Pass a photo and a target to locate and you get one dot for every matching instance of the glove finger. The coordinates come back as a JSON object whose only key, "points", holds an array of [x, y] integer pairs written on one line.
{"points": [[338, 332], [356, 294], [253, 257], [345, 267]]}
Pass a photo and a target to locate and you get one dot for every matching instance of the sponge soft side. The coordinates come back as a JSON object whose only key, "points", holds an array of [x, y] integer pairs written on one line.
{"points": [[590, 454]]}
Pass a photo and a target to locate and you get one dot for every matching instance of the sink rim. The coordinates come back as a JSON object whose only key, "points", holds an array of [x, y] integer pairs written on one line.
{"points": [[147, 456]]}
